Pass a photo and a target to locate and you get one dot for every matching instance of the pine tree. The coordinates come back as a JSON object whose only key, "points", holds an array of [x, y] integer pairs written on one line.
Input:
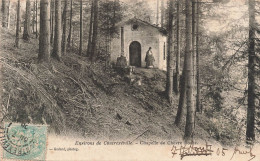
{"points": [[194, 44], [177, 76], [33, 19], [81, 28], [95, 32], [250, 129], [8, 14], [157, 12], [90, 30], [18, 24], [57, 35], [182, 97], [52, 19], [44, 39], [4, 13], [36, 23], [70, 29], [27, 22], [197, 62], [64, 34], [180, 82], [170, 60], [189, 127]]}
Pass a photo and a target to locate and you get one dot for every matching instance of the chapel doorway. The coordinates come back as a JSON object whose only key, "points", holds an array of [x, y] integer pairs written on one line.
{"points": [[135, 54]]}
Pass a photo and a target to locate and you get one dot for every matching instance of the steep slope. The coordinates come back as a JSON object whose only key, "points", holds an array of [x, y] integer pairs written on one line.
{"points": [[75, 96]]}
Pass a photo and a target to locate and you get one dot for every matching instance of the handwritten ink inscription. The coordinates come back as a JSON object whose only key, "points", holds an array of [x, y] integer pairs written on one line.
{"points": [[191, 150], [207, 150], [237, 151]]}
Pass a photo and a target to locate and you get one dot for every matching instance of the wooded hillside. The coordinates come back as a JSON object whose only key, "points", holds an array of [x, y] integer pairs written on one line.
{"points": [[57, 69]]}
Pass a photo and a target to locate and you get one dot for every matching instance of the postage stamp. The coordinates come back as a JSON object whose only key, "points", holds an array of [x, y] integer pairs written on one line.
{"points": [[24, 142]]}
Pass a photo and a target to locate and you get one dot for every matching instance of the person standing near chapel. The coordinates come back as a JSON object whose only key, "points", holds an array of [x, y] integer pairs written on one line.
{"points": [[149, 59]]}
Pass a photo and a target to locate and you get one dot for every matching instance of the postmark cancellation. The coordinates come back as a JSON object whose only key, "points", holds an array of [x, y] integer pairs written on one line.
{"points": [[24, 142]]}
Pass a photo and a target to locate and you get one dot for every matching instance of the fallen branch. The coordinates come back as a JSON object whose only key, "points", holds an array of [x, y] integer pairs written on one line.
{"points": [[76, 82], [8, 102], [140, 135]]}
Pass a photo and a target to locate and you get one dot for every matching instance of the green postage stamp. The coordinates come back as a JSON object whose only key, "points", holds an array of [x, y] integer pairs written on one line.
{"points": [[24, 142]]}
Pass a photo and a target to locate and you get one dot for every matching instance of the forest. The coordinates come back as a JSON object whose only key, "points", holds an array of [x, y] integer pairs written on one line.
{"points": [[57, 68]]}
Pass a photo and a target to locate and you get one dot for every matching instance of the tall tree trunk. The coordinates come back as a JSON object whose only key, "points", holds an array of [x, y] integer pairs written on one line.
{"points": [[194, 44], [64, 34], [162, 13], [90, 29], [198, 109], [178, 55], [57, 35], [95, 30], [81, 28], [250, 129], [27, 22], [18, 24], [4, 13], [8, 14], [107, 31], [189, 128], [70, 29], [36, 23], [33, 19], [182, 97], [170, 60], [44, 39], [114, 14], [52, 19], [107, 35], [157, 12], [111, 27], [180, 82]]}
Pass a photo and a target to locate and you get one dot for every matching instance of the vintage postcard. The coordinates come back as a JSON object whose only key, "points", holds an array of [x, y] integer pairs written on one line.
{"points": [[130, 80]]}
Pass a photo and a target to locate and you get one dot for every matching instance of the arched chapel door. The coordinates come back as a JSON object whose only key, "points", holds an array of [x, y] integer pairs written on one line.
{"points": [[135, 54]]}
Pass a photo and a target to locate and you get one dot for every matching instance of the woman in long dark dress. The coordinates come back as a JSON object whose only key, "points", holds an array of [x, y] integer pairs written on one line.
{"points": [[149, 59]]}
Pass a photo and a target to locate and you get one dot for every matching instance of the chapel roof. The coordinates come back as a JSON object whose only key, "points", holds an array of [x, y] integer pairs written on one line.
{"points": [[160, 29]]}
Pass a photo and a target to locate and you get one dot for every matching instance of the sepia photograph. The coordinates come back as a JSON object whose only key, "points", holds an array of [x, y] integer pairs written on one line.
{"points": [[130, 80]]}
